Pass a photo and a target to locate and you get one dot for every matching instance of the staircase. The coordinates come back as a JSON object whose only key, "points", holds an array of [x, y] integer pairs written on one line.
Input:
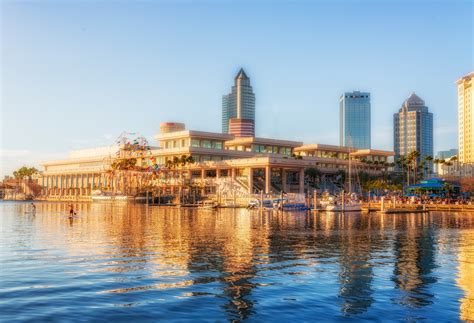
{"points": [[229, 188]]}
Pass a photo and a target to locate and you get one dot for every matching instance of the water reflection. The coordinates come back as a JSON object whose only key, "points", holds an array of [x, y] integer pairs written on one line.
{"points": [[230, 264], [356, 270], [466, 275], [414, 250]]}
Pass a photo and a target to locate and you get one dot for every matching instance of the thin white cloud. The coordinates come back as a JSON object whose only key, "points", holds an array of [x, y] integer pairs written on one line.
{"points": [[12, 153]]}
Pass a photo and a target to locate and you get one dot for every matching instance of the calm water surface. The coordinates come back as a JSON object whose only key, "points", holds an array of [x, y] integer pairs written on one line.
{"points": [[114, 262]]}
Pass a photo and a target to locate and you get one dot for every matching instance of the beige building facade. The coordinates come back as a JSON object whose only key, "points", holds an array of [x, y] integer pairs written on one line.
{"points": [[211, 163], [466, 118]]}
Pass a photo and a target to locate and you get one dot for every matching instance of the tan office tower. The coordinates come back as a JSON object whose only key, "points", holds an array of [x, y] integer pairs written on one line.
{"points": [[239, 104], [466, 119]]}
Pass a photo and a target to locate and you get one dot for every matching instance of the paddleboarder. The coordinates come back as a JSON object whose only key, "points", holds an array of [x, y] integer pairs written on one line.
{"points": [[71, 211]]}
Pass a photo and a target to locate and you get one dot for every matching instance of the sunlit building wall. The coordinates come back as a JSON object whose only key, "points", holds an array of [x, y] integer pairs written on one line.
{"points": [[413, 129], [466, 119]]}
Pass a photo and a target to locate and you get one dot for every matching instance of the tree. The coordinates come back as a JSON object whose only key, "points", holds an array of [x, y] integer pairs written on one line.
{"points": [[313, 174], [25, 172], [183, 160], [429, 159], [414, 157], [169, 164], [467, 184], [402, 163], [448, 188], [124, 164]]}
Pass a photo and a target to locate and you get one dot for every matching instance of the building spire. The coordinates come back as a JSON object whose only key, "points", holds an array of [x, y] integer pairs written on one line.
{"points": [[241, 75]]}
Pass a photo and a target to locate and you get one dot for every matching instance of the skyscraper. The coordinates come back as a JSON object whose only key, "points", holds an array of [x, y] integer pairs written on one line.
{"points": [[238, 108], [413, 129], [466, 119], [354, 109]]}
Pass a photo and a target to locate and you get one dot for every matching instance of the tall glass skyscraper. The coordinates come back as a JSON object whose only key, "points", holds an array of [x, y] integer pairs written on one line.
{"points": [[239, 104], [413, 129], [354, 109]]}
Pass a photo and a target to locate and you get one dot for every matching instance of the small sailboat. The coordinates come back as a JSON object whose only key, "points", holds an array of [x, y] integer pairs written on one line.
{"points": [[344, 202]]}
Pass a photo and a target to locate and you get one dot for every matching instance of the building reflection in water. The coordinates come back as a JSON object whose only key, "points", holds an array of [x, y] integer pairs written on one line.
{"points": [[224, 244], [414, 250], [356, 273], [466, 273]]}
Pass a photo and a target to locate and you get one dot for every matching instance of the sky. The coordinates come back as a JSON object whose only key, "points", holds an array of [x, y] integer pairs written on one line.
{"points": [[77, 74]]}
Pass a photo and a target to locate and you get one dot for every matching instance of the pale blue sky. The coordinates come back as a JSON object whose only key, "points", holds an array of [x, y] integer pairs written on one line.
{"points": [[77, 74]]}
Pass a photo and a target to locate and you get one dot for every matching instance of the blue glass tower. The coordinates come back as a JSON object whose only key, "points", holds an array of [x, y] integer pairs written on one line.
{"points": [[354, 108]]}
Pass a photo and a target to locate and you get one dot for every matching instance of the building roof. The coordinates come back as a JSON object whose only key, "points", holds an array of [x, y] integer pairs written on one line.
{"points": [[354, 151], [193, 133], [468, 77], [241, 75], [414, 100], [372, 152], [322, 147], [262, 141]]}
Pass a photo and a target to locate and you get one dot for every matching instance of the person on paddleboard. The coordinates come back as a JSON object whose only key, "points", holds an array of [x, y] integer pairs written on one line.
{"points": [[71, 211], [33, 208]]}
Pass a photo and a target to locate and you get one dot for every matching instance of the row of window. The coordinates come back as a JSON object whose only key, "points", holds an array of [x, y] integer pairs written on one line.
{"points": [[200, 143]]}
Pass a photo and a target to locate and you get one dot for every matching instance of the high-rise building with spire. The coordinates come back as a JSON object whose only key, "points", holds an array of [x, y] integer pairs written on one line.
{"points": [[238, 108], [413, 129]]}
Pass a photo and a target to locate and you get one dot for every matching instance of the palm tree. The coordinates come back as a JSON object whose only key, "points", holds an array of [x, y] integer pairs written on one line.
{"points": [[414, 156], [401, 161], [430, 168], [406, 161], [436, 162], [190, 159]]}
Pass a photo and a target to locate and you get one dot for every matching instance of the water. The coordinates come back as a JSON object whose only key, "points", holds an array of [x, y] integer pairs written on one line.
{"points": [[120, 263]]}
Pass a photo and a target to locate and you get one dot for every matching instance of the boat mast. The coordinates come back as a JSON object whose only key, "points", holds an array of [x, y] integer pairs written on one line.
{"points": [[350, 165], [350, 172]]}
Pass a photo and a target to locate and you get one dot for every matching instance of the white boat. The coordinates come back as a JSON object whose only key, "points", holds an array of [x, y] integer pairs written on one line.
{"points": [[345, 203], [98, 195], [326, 200], [208, 205]]}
